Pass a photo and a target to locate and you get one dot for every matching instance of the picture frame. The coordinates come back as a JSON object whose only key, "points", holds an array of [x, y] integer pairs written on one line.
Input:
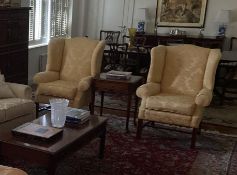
{"points": [[181, 13]]}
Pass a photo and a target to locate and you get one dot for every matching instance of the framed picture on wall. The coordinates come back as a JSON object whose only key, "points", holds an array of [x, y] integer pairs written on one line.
{"points": [[181, 13]]}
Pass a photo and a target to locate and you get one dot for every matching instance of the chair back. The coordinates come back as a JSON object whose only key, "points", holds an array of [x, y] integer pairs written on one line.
{"points": [[110, 37], [183, 68], [76, 57]]}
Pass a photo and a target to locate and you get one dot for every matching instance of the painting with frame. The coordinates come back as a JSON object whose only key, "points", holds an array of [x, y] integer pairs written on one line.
{"points": [[181, 13]]}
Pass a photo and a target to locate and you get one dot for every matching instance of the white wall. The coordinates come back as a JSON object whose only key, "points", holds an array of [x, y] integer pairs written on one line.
{"points": [[95, 12], [210, 26], [88, 19]]}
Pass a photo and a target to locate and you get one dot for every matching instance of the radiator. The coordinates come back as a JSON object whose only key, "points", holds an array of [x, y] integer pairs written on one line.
{"points": [[42, 62]]}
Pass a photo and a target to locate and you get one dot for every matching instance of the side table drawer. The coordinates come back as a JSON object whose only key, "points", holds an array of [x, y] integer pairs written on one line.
{"points": [[111, 86]]}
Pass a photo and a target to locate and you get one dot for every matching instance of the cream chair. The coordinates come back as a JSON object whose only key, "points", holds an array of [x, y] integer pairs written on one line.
{"points": [[179, 85], [71, 65], [16, 105]]}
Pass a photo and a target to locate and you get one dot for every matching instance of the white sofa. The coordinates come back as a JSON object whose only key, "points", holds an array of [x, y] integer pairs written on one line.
{"points": [[16, 105]]}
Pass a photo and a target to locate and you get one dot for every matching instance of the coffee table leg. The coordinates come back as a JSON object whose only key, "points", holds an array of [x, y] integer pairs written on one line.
{"points": [[52, 168], [102, 143], [128, 110], [135, 111], [101, 103], [92, 103]]}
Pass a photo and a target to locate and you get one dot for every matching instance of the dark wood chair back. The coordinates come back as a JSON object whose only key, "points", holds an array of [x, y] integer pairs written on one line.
{"points": [[110, 36]]}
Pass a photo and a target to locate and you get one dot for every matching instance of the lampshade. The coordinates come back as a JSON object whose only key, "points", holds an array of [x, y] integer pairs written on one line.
{"points": [[223, 17], [141, 14]]}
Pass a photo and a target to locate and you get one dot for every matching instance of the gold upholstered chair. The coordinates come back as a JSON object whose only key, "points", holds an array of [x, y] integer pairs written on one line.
{"points": [[71, 66], [179, 85]]}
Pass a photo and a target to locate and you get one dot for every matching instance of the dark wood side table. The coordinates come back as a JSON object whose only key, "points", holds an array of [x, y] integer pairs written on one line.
{"points": [[127, 87]]}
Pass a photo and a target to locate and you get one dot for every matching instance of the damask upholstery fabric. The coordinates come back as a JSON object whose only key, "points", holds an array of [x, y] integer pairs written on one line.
{"points": [[5, 91], [77, 57], [157, 65], [5, 170], [59, 88], [12, 108], [185, 75], [45, 77], [184, 69], [180, 104], [204, 97], [71, 66], [148, 89], [21, 90], [55, 53]]}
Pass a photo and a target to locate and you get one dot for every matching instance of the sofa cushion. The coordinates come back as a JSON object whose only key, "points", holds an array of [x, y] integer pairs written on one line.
{"points": [[180, 104], [59, 88], [11, 108], [5, 90]]}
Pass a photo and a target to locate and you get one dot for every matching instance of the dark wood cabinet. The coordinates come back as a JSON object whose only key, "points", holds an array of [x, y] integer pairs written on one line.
{"points": [[14, 32], [205, 41]]}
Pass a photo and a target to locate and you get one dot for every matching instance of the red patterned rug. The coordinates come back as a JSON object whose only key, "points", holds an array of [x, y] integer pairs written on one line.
{"points": [[159, 152]]}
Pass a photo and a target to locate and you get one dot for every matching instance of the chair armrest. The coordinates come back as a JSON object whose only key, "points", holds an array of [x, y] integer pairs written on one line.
{"points": [[204, 97], [11, 171], [20, 90], [45, 77], [85, 83], [148, 89]]}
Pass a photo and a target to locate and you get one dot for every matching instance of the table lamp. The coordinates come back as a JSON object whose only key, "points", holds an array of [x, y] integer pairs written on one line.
{"points": [[223, 19], [141, 16]]}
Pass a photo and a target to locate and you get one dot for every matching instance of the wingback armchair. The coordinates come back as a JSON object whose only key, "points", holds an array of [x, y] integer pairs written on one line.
{"points": [[179, 85], [71, 65]]}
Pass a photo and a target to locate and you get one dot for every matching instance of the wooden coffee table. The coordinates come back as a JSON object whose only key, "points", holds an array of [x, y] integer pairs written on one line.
{"points": [[50, 153]]}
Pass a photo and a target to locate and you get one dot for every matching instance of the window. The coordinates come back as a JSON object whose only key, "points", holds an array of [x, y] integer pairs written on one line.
{"points": [[49, 19]]}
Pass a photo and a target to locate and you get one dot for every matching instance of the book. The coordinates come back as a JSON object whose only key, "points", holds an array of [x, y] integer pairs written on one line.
{"points": [[118, 75], [77, 116], [37, 131]]}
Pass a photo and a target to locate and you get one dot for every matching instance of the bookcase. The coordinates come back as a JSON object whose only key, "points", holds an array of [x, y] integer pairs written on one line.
{"points": [[14, 32]]}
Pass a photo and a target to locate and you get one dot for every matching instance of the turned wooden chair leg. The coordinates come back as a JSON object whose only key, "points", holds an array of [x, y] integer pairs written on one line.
{"points": [[90, 109], [199, 130], [139, 128], [194, 136], [153, 124], [37, 109]]}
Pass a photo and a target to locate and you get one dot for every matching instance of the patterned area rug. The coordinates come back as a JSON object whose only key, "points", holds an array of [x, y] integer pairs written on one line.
{"points": [[159, 152], [225, 115]]}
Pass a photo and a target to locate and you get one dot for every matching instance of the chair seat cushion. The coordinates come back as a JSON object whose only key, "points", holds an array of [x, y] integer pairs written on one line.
{"points": [[59, 88], [11, 108], [180, 104]]}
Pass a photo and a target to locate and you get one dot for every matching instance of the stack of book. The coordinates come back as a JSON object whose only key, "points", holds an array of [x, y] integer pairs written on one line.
{"points": [[118, 75], [77, 116]]}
